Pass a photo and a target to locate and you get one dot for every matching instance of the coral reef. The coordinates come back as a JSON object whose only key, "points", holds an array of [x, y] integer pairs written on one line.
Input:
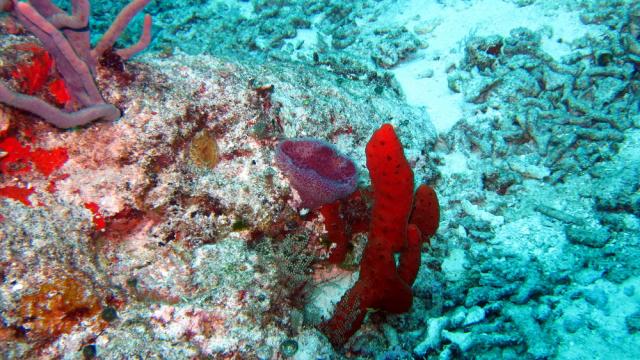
{"points": [[146, 227], [174, 233], [566, 115]]}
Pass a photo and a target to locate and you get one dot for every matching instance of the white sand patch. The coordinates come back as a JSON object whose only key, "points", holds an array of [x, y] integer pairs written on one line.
{"points": [[454, 266], [445, 28], [454, 163], [604, 333]]}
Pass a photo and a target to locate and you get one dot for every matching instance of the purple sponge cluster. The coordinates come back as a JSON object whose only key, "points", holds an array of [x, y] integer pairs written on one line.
{"points": [[316, 171]]}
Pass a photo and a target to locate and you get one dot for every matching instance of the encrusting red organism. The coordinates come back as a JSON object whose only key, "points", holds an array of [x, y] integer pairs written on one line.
{"points": [[98, 219], [59, 92], [33, 75], [381, 284], [17, 193], [21, 159]]}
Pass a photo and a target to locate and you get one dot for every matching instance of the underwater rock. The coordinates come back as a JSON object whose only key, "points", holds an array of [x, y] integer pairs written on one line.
{"points": [[629, 290], [482, 52], [596, 297], [458, 317], [573, 323], [396, 45], [476, 90], [539, 346], [468, 341], [521, 41], [587, 276], [433, 338], [632, 39], [542, 312], [464, 340], [483, 294], [592, 237], [396, 353], [532, 285], [619, 200], [633, 322], [540, 129], [343, 37], [476, 314]]}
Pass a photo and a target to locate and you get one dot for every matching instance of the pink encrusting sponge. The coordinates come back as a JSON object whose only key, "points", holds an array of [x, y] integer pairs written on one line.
{"points": [[316, 171]]}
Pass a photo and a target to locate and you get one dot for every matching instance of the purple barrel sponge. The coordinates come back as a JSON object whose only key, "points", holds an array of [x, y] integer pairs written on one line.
{"points": [[316, 171]]}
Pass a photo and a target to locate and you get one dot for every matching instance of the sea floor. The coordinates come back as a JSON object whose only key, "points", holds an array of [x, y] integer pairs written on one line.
{"points": [[171, 234]]}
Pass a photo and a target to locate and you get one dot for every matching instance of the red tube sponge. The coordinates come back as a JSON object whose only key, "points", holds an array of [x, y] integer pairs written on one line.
{"points": [[335, 226], [381, 284], [426, 212]]}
